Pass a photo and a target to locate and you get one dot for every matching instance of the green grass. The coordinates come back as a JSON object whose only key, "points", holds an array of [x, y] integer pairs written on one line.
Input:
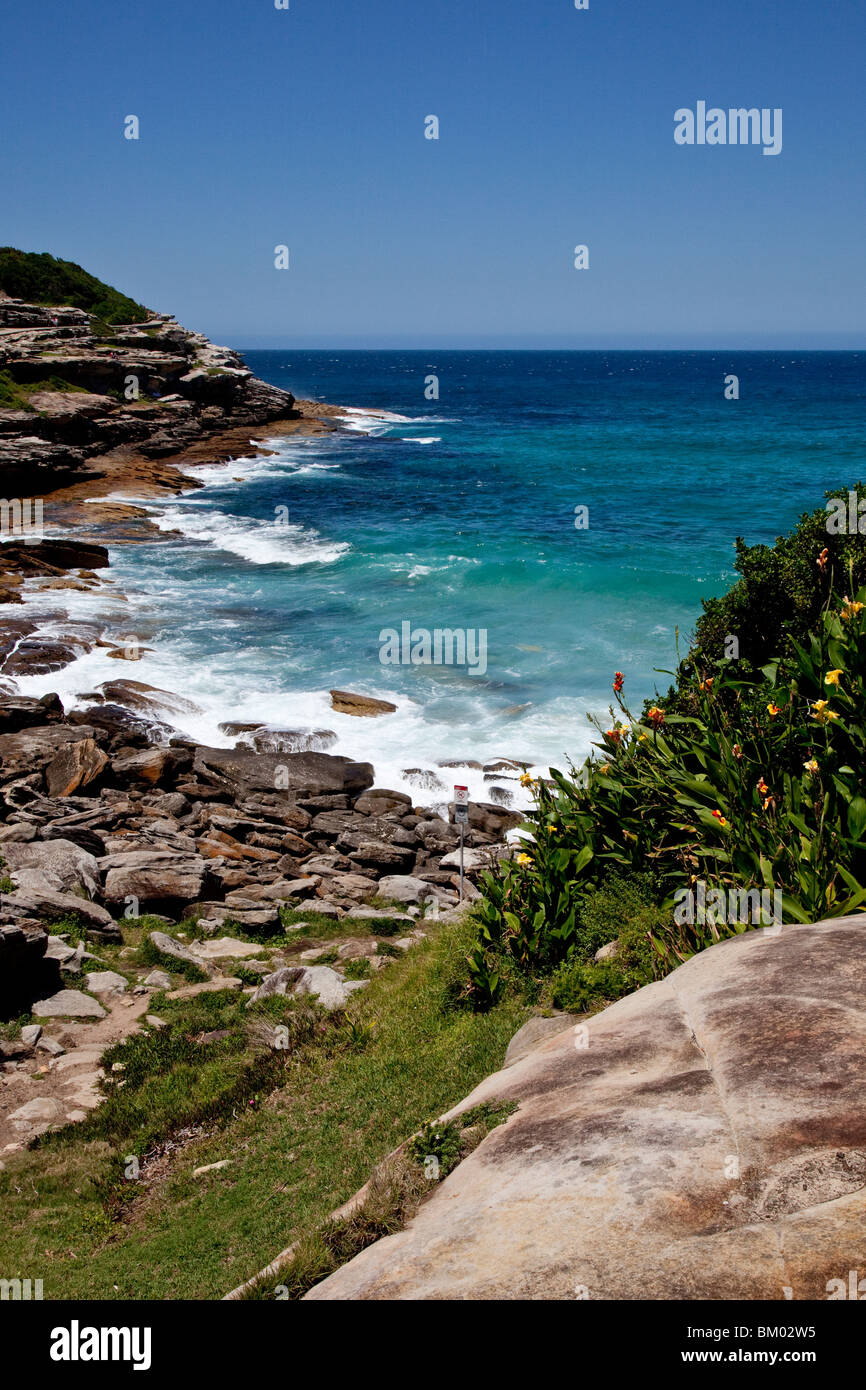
{"points": [[324, 927], [40, 278], [15, 395], [325, 1111]]}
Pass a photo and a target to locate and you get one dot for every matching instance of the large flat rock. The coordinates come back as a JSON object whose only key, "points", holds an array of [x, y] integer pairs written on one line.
{"points": [[704, 1138]]}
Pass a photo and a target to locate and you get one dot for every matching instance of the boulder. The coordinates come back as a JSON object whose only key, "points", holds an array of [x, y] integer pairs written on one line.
{"points": [[76, 765], [148, 765], [365, 706], [331, 990], [224, 948], [280, 982], [68, 1003], [382, 856], [405, 888], [18, 712], [60, 865], [378, 802], [169, 947], [158, 979], [106, 982], [266, 740], [474, 860], [347, 887], [702, 1138], [47, 905], [241, 771], [155, 876], [32, 750]]}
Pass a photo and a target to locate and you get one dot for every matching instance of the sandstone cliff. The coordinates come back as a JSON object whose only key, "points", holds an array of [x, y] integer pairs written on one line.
{"points": [[73, 388]]}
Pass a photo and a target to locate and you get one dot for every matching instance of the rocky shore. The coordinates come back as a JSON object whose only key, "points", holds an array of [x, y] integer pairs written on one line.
{"points": [[108, 816], [108, 813]]}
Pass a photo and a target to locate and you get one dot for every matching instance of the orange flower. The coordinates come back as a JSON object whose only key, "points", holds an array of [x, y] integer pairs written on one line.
{"points": [[720, 818], [773, 710], [762, 787], [707, 684], [737, 752], [618, 681], [656, 716], [822, 559]]}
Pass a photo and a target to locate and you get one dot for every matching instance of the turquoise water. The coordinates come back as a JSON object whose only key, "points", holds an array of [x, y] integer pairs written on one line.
{"points": [[459, 512]]}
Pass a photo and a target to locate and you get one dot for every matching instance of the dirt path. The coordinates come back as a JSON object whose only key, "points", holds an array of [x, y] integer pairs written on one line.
{"points": [[54, 1090]]}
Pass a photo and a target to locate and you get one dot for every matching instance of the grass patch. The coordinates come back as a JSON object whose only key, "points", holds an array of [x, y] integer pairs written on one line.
{"points": [[151, 955], [326, 1110]]}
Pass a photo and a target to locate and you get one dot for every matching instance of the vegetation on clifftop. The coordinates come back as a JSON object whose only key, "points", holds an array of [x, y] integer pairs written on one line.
{"points": [[40, 278]]}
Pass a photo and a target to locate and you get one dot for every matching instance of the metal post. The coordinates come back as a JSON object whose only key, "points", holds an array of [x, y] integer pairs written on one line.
{"points": [[461, 861]]}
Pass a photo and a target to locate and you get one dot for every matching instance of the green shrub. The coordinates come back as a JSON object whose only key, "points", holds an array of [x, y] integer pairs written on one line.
{"points": [[358, 969], [761, 784], [40, 278]]}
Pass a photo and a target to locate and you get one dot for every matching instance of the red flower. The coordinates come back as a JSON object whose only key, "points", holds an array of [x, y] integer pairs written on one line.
{"points": [[618, 681]]}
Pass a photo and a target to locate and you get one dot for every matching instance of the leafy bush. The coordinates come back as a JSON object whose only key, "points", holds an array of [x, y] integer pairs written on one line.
{"points": [[760, 785], [779, 597], [41, 278]]}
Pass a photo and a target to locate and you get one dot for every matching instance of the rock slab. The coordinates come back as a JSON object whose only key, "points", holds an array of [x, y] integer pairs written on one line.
{"points": [[703, 1138]]}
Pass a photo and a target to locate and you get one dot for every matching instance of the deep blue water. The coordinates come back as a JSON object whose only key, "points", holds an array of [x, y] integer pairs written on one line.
{"points": [[461, 515]]}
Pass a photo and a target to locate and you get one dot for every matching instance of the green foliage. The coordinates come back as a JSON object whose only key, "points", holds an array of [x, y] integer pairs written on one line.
{"points": [[744, 779], [779, 597], [450, 1141], [40, 278], [358, 969]]}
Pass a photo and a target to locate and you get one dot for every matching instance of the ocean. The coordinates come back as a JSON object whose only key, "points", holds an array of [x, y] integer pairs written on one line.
{"points": [[458, 511]]}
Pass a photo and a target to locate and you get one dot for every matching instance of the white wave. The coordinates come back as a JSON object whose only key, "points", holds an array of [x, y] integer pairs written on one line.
{"points": [[408, 439], [259, 542]]}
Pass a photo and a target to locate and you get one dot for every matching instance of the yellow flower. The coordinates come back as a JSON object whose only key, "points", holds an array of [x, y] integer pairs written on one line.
{"points": [[822, 713], [526, 780], [852, 608], [812, 766], [832, 677], [773, 710], [524, 859]]}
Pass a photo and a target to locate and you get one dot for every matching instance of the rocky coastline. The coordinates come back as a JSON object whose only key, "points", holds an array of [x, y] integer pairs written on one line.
{"points": [[108, 813]]}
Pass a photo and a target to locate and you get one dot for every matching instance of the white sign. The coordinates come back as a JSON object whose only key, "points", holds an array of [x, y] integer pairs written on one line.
{"points": [[461, 796], [461, 815]]}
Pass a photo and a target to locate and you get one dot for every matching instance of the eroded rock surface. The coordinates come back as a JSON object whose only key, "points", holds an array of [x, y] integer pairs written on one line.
{"points": [[704, 1138]]}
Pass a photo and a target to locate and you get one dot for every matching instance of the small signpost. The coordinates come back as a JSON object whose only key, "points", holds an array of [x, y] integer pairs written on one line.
{"points": [[461, 818]]}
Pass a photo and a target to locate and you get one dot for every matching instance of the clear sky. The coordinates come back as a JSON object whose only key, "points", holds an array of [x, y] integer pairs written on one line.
{"points": [[305, 127]]}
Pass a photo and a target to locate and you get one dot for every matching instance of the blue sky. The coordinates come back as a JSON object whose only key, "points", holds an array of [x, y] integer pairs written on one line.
{"points": [[305, 127]]}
